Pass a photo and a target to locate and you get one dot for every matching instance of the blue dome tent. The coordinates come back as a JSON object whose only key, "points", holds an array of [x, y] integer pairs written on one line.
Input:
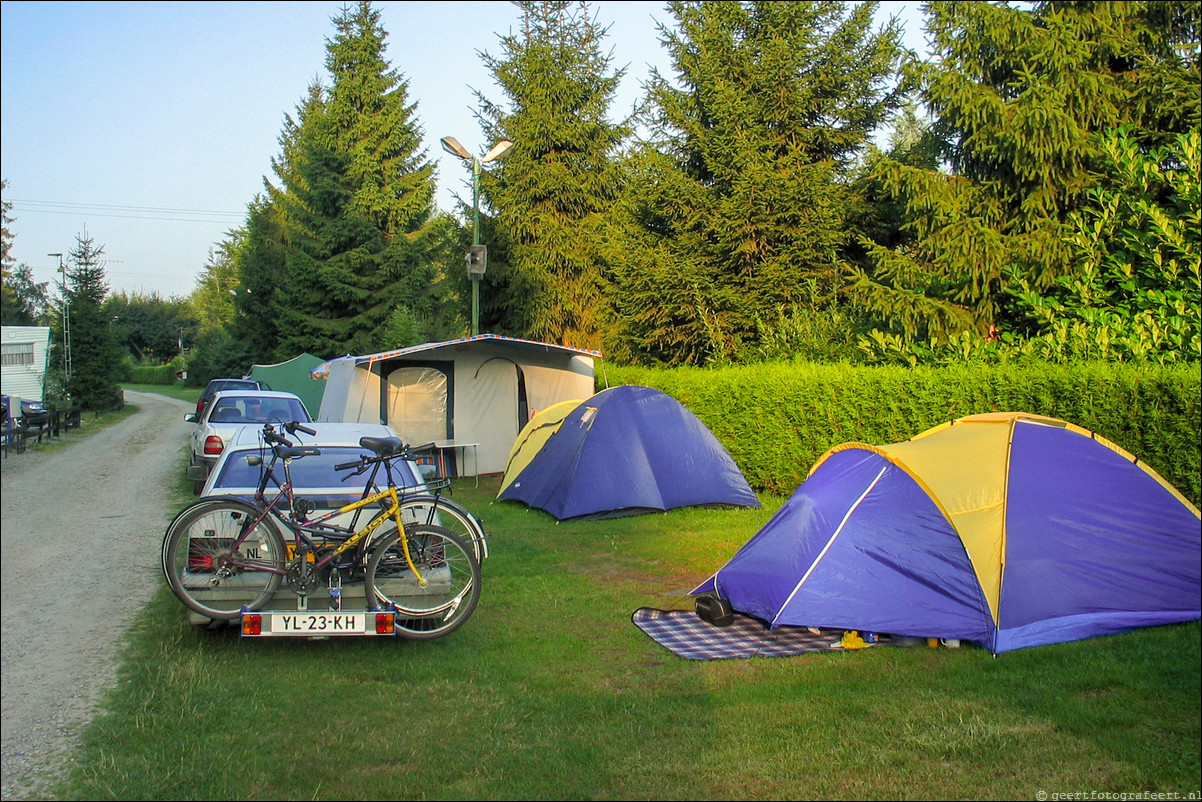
{"points": [[625, 451], [1005, 529]]}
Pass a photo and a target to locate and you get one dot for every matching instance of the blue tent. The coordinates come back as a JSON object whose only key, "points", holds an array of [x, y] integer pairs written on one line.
{"points": [[625, 451], [1005, 529]]}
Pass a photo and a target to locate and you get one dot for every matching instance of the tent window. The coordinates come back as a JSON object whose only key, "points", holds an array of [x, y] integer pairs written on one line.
{"points": [[17, 354], [417, 404]]}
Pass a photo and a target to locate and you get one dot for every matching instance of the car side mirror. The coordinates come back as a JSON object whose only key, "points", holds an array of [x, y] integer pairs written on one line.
{"points": [[190, 417]]}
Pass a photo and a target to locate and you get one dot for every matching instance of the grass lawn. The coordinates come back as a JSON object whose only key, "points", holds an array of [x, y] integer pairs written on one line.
{"points": [[549, 692]]}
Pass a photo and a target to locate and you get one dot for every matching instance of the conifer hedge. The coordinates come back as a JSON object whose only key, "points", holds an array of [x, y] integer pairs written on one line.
{"points": [[151, 374], [777, 419]]}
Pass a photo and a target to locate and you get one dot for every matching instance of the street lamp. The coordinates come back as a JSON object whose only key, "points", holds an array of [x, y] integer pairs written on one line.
{"points": [[62, 286], [477, 257]]}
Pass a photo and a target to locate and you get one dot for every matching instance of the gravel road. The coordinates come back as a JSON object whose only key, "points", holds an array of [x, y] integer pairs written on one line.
{"points": [[80, 544]]}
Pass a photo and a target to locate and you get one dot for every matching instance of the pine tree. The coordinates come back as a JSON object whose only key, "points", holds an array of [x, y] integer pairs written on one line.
{"points": [[260, 258], [558, 186], [741, 198], [95, 355], [357, 196], [1019, 97], [260, 266]]}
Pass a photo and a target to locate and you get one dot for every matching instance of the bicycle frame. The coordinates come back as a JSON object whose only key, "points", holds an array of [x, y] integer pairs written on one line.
{"points": [[319, 527]]}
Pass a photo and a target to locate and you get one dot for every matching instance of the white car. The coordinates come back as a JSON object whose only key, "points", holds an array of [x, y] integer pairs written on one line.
{"points": [[228, 412]]}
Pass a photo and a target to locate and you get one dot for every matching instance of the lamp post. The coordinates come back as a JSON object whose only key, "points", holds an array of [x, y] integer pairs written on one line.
{"points": [[477, 257], [62, 286]]}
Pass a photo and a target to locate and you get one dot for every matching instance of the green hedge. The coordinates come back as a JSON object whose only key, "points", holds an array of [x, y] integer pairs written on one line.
{"points": [[777, 419], [152, 374]]}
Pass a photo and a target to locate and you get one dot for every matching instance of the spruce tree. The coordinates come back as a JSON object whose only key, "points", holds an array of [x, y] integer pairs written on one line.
{"points": [[358, 194], [556, 189], [260, 265], [1019, 97], [95, 355], [740, 199], [261, 257]]}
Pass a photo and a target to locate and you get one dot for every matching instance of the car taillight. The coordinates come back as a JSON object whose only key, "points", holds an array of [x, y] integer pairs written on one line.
{"points": [[385, 623], [213, 446], [252, 624]]}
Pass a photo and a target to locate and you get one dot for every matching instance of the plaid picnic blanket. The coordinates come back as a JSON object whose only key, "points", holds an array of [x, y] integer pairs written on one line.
{"points": [[686, 635]]}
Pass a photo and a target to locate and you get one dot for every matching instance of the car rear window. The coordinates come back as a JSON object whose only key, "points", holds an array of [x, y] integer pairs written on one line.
{"points": [[254, 409], [313, 471], [231, 384]]}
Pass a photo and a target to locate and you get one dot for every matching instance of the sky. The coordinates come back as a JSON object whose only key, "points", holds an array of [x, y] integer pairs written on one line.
{"points": [[149, 126]]}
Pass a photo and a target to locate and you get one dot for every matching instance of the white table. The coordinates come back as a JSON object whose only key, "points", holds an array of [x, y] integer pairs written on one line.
{"points": [[444, 446]]}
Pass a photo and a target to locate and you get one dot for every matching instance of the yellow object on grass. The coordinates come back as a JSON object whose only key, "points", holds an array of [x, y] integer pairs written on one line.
{"points": [[852, 640]]}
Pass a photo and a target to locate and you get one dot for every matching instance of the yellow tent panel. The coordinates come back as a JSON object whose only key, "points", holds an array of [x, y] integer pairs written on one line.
{"points": [[534, 434]]}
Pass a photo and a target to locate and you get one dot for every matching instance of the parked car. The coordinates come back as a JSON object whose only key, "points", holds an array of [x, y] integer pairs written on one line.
{"points": [[29, 414], [218, 385], [313, 476], [229, 411], [33, 413]]}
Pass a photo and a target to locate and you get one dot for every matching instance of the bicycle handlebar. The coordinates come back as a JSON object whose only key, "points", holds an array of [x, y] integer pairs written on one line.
{"points": [[404, 452], [270, 435]]}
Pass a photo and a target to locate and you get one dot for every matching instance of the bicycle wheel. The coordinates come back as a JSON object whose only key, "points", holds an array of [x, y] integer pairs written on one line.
{"points": [[438, 511], [207, 574], [452, 580], [171, 527]]}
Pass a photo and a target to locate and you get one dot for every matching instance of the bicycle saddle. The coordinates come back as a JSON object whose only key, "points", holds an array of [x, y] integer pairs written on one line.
{"points": [[382, 446]]}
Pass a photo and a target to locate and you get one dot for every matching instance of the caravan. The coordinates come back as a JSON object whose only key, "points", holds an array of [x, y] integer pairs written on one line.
{"points": [[25, 358], [468, 397]]}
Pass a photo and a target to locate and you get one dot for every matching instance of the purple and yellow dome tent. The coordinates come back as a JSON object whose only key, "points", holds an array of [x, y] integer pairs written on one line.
{"points": [[1007, 529]]}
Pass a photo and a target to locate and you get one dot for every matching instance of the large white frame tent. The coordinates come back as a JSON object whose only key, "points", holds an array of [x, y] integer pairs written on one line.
{"points": [[476, 392]]}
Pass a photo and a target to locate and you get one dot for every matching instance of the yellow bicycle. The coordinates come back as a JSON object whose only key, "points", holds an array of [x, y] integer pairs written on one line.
{"points": [[226, 557]]}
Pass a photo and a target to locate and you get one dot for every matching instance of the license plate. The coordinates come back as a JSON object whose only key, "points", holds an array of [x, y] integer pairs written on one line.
{"points": [[304, 623]]}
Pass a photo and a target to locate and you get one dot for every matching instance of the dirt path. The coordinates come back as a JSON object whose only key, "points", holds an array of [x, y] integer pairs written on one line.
{"points": [[80, 539]]}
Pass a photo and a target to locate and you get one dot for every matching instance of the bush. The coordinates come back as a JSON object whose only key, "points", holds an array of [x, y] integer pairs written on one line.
{"points": [[154, 374], [217, 355], [776, 420]]}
